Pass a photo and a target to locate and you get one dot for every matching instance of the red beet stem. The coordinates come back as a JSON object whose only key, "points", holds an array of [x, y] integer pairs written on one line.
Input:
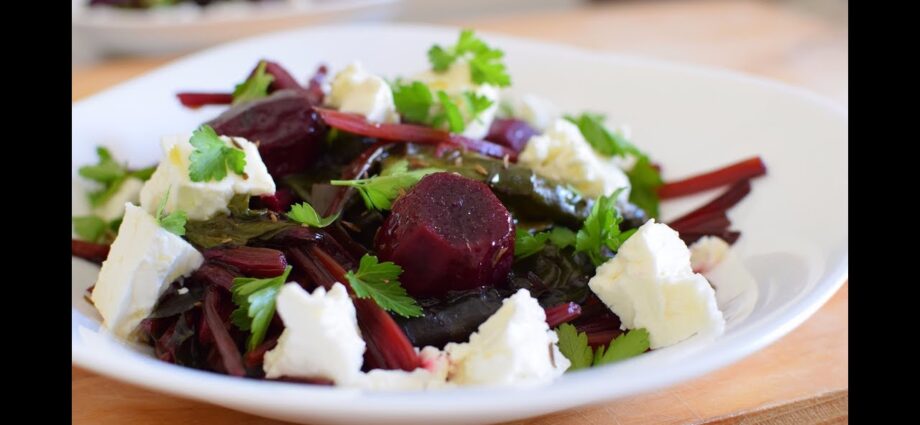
{"points": [[283, 79], [279, 202], [89, 251], [562, 313], [211, 274], [250, 261], [197, 100], [403, 133], [746, 169], [722, 203], [385, 340], [230, 355], [714, 222], [255, 358], [729, 236], [596, 339], [315, 85]]}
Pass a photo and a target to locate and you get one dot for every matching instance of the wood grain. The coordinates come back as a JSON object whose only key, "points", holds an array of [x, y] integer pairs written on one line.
{"points": [[801, 379]]}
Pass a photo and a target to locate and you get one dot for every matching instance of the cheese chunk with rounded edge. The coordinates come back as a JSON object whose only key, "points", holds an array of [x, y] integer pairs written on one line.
{"points": [[320, 337], [650, 284], [736, 289], [457, 80], [513, 347], [432, 375], [202, 200], [358, 91], [142, 262], [128, 192], [537, 111], [563, 154]]}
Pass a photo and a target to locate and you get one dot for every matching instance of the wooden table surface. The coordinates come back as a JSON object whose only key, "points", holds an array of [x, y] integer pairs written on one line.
{"points": [[802, 378]]}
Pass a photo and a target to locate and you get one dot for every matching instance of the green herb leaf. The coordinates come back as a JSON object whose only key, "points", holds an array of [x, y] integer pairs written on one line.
{"points": [[90, 228], [380, 281], [413, 101], [255, 86], [600, 138], [574, 346], [526, 244], [476, 104], [630, 344], [106, 170], [562, 237], [144, 173], [602, 228], [485, 62], [379, 192], [256, 301], [397, 167], [305, 214], [645, 181], [175, 221], [451, 113], [212, 157]]}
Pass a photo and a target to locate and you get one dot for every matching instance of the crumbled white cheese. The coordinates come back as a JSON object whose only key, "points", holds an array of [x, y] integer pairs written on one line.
{"points": [[457, 80], [513, 347], [537, 111], [114, 208], [358, 91], [736, 289], [202, 200], [562, 153], [142, 262], [320, 337], [650, 284], [432, 374]]}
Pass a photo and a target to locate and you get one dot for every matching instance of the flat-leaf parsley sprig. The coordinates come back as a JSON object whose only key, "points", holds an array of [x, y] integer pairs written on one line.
{"points": [[380, 281]]}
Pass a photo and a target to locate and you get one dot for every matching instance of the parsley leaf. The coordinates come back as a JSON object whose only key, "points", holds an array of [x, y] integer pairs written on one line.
{"points": [[476, 103], [211, 157], [526, 244], [603, 141], [305, 214], [562, 237], [602, 228], [645, 181], [255, 86], [379, 281], [175, 221], [451, 113], [379, 192], [630, 344], [413, 101], [110, 175], [574, 346], [90, 228], [256, 301], [485, 62]]}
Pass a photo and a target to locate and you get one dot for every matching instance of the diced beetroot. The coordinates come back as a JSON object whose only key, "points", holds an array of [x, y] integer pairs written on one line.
{"points": [[448, 233], [511, 133], [279, 202], [285, 126], [250, 261]]}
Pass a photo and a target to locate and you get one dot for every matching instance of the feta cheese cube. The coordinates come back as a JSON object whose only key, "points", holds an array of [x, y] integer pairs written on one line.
{"points": [[202, 200], [736, 289], [650, 284], [142, 262], [512, 347], [321, 337], [357, 91], [128, 192], [457, 80], [563, 154], [537, 111]]}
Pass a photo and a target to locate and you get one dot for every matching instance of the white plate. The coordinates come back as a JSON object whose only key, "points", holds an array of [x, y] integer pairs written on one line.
{"points": [[690, 119], [186, 27]]}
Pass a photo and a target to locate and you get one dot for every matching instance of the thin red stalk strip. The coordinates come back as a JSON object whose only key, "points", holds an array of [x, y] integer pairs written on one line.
{"points": [[747, 169], [250, 261], [562, 313], [254, 358], [89, 251], [708, 222], [230, 355], [385, 339], [197, 100], [723, 202], [214, 275], [729, 236], [596, 339]]}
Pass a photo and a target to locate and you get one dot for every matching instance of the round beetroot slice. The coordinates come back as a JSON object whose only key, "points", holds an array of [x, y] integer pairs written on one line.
{"points": [[448, 233]]}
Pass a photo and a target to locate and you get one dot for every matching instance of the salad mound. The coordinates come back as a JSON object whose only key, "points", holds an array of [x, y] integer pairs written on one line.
{"points": [[404, 233]]}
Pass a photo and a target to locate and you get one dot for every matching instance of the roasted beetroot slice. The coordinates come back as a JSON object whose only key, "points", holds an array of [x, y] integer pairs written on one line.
{"points": [[89, 251], [287, 129], [197, 100], [448, 233], [511, 133], [250, 261], [283, 79]]}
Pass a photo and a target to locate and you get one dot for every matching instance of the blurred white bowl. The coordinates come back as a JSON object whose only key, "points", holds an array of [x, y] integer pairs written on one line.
{"points": [[187, 27]]}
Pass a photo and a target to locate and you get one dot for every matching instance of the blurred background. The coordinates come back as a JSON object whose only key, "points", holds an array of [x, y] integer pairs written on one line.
{"points": [[802, 42]]}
